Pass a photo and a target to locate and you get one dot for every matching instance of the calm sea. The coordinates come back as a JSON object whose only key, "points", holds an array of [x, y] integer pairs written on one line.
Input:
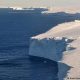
{"points": [[16, 27]]}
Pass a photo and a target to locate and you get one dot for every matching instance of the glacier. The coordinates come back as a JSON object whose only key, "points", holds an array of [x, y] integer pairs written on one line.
{"points": [[60, 44]]}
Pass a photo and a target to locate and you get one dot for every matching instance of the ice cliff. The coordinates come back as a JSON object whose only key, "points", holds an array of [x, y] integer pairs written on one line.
{"points": [[61, 44], [48, 47]]}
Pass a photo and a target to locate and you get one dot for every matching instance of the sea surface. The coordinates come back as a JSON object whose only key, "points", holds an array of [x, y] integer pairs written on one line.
{"points": [[16, 28]]}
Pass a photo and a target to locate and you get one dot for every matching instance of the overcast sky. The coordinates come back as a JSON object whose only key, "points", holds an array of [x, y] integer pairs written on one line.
{"points": [[38, 3]]}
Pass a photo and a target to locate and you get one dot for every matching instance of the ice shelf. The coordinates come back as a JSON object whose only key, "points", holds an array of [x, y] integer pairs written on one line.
{"points": [[60, 44]]}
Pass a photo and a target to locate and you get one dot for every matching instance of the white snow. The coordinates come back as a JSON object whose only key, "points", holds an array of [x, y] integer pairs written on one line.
{"points": [[17, 8], [61, 44]]}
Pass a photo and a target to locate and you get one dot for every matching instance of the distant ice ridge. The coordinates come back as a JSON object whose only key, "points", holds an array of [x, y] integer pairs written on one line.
{"points": [[16, 8], [20, 8], [61, 44]]}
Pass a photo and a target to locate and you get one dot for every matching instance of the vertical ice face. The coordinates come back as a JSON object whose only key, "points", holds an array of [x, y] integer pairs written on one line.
{"points": [[50, 48]]}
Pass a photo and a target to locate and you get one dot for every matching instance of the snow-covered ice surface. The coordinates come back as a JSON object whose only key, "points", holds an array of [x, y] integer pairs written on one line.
{"points": [[62, 44]]}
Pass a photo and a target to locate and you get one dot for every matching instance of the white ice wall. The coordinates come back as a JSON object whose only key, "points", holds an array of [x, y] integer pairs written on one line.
{"points": [[47, 48]]}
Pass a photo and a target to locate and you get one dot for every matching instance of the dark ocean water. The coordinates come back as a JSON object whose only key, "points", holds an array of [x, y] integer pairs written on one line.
{"points": [[16, 27]]}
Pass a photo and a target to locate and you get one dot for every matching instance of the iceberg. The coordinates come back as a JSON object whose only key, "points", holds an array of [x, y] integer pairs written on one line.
{"points": [[60, 44]]}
